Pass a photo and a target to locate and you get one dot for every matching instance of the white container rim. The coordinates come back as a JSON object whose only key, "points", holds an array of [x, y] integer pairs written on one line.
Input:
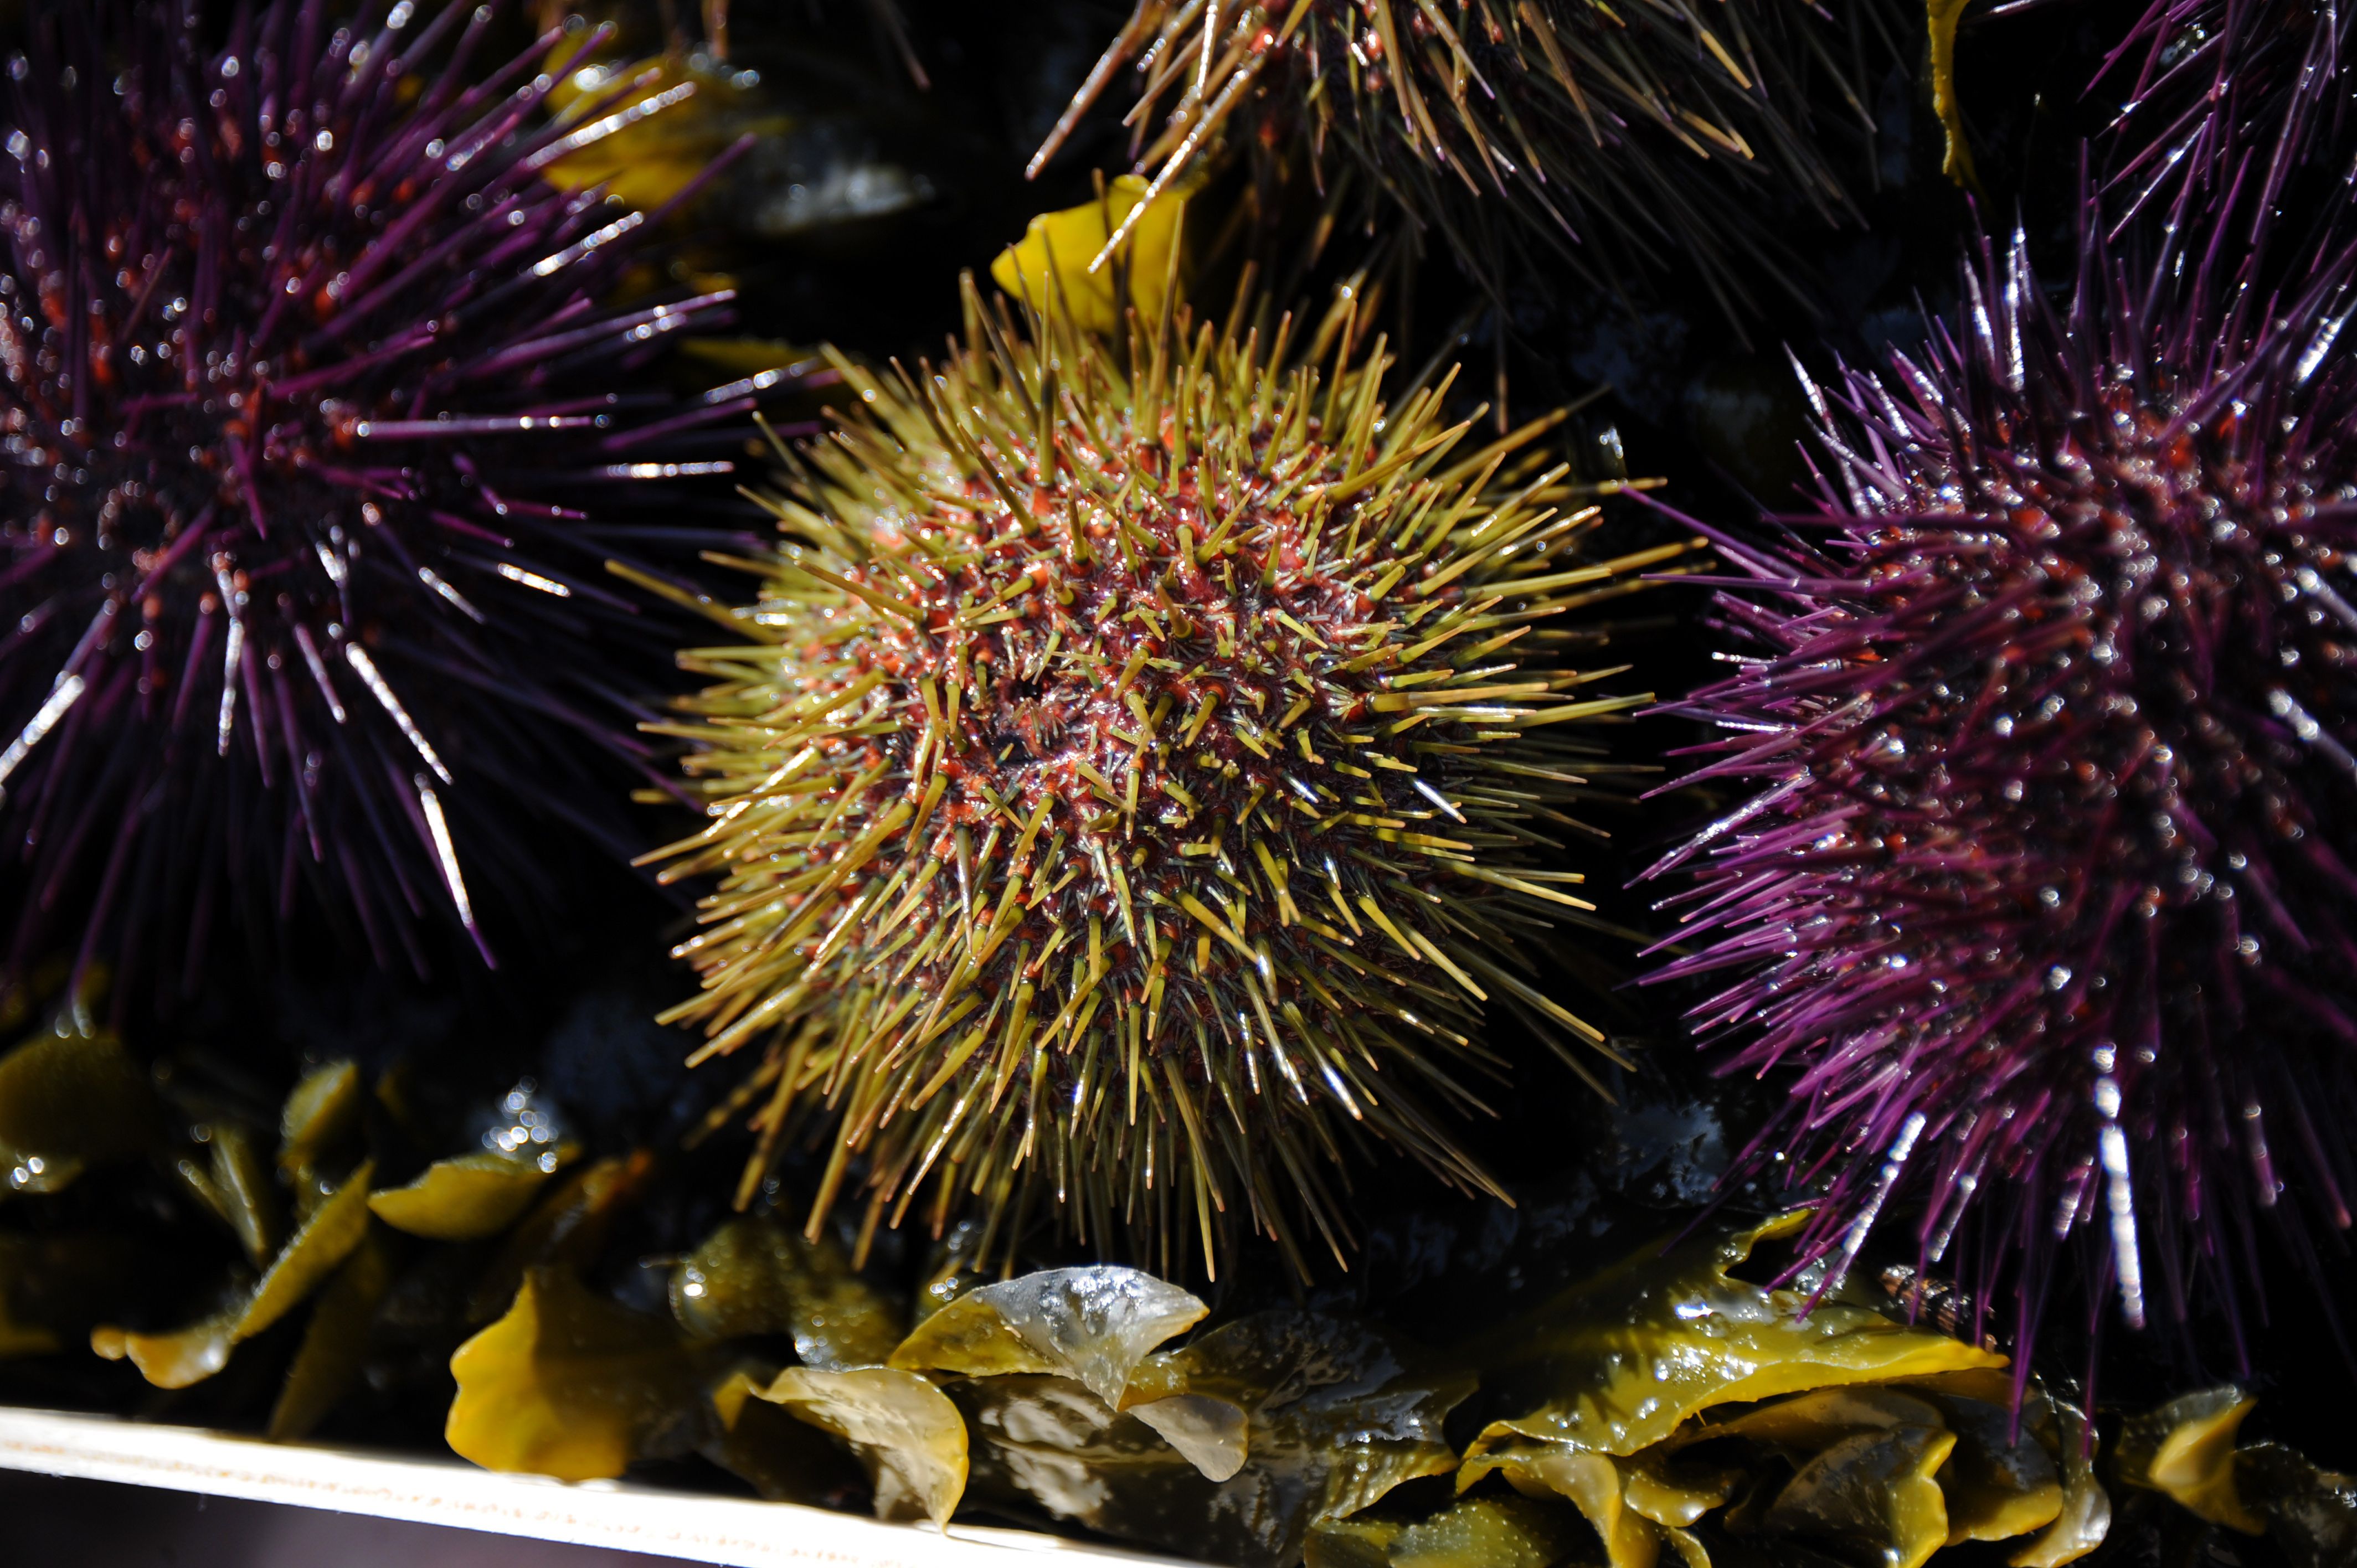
{"points": [[736, 1531]]}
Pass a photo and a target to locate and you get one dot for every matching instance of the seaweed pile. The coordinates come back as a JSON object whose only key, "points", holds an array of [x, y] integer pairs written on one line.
{"points": [[383, 1272]]}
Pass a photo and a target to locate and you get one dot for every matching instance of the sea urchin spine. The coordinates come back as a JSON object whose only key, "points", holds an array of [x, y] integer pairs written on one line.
{"points": [[1137, 777], [2227, 102]]}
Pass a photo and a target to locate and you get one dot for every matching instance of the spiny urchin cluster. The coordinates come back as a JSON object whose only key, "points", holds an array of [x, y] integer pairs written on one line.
{"points": [[1141, 767], [2039, 879], [305, 378], [1629, 137], [2227, 102]]}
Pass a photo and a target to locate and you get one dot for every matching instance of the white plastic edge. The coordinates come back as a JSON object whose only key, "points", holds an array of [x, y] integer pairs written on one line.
{"points": [[736, 1531]]}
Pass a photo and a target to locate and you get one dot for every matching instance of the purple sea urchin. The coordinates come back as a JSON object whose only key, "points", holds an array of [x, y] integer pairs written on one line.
{"points": [[292, 330], [1136, 776], [1628, 138], [2042, 892]]}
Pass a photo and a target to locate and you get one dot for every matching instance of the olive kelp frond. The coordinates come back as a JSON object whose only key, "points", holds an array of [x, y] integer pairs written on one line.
{"points": [[1624, 140], [320, 428], [1141, 769]]}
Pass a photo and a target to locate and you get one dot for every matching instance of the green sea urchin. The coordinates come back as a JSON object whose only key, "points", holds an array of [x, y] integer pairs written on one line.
{"points": [[1631, 140], [1136, 775]]}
